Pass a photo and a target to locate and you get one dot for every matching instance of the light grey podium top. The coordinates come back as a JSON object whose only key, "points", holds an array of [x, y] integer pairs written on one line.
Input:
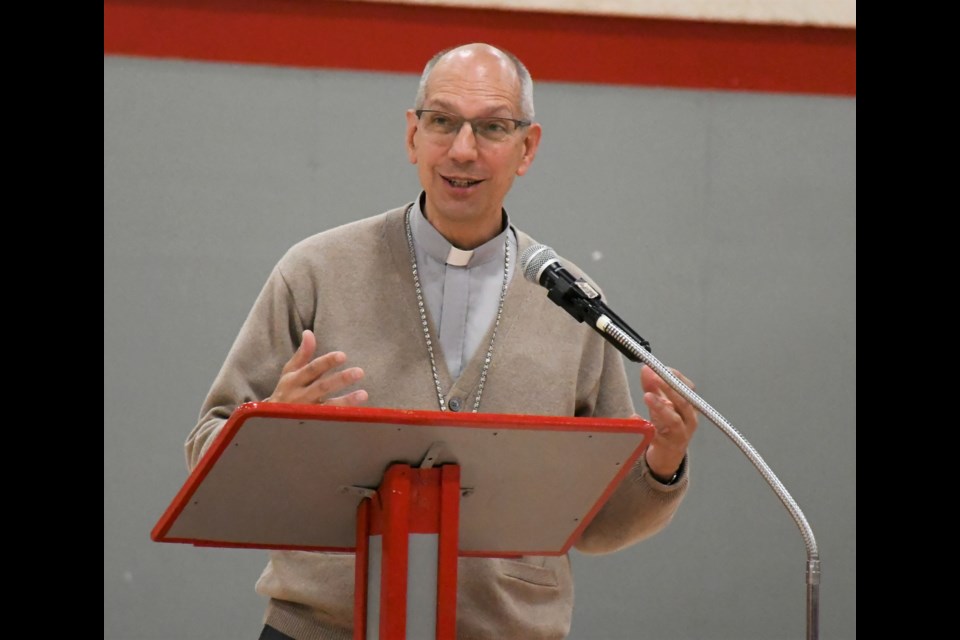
{"points": [[277, 476]]}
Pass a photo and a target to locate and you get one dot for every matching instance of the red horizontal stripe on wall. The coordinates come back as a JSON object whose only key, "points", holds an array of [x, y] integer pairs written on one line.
{"points": [[560, 47]]}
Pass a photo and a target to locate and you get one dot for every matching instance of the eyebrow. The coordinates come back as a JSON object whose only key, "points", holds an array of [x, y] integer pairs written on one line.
{"points": [[446, 106]]}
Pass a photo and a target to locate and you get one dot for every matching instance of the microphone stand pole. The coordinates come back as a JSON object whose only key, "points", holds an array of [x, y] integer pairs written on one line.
{"points": [[625, 341]]}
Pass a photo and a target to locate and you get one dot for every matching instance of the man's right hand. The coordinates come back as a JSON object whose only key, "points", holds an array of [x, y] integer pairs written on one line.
{"points": [[308, 380]]}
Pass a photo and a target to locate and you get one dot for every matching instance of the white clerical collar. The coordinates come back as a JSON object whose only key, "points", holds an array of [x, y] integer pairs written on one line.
{"points": [[440, 249], [459, 257]]}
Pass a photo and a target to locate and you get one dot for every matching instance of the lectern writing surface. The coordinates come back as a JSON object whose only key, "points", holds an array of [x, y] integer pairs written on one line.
{"points": [[278, 476]]}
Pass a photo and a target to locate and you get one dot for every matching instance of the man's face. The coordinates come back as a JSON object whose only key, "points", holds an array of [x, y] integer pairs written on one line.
{"points": [[467, 177]]}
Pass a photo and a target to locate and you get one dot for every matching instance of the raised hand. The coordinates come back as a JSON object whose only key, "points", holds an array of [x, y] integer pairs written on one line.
{"points": [[308, 380]]}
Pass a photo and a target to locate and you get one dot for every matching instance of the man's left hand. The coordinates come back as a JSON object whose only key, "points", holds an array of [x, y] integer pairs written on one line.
{"points": [[675, 420]]}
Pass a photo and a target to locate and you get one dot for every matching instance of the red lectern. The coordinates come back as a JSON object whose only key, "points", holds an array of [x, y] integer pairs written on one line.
{"points": [[431, 487]]}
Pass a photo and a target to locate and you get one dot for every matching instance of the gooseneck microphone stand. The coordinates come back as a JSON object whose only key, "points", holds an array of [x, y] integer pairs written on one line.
{"points": [[579, 299], [633, 350]]}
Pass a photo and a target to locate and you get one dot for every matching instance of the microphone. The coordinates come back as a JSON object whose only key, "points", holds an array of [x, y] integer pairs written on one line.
{"points": [[541, 265]]}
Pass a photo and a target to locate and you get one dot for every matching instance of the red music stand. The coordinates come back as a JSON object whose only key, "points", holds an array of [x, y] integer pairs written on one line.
{"points": [[431, 486]]}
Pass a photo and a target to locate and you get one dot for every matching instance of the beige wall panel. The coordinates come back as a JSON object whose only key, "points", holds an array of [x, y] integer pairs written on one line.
{"points": [[832, 13]]}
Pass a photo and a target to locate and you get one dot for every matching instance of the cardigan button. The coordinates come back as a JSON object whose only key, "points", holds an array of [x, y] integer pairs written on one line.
{"points": [[454, 404]]}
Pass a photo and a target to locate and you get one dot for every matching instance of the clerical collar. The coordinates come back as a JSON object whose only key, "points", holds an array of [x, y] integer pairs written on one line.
{"points": [[439, 248]]}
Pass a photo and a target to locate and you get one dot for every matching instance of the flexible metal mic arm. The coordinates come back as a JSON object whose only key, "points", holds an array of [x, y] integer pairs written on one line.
{"points": [[541, 265], [638, 353]]}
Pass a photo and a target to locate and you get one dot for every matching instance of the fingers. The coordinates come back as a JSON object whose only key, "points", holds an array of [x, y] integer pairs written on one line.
{"points": [[651, 381], [316, 368], [304, 353], [320, 389], [687, 381], [664, 414], [679, 403], [667, 407], [349, 400], [306, 379]]}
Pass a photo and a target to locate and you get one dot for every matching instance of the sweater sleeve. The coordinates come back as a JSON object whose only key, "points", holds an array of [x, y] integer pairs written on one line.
{"points": [[641, 506], [268, 338]]}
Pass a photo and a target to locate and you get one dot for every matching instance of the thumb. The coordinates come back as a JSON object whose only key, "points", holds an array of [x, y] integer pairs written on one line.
{"points": [[304, 354]]}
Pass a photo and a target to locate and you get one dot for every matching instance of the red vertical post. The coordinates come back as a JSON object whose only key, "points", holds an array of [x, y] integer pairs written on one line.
{"points": [[395, 497], [409, 501], [360, 571], [448, 552]]}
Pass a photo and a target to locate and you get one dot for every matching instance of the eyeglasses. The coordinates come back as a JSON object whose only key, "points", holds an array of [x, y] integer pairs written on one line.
{"points": [[443, 124]]}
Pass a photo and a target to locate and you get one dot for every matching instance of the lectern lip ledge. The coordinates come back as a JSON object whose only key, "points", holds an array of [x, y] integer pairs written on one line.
{"points": [[635, 424]]}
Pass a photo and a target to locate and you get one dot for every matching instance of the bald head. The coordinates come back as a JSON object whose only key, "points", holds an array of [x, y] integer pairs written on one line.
{"points": [[480, 58]]}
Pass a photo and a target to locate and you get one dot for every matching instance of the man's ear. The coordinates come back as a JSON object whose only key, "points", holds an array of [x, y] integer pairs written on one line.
{"points": [[412, 125], [530, 144]]}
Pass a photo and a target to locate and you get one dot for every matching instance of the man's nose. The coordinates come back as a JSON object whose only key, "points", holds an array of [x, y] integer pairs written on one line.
{"points": [[464, 146]]}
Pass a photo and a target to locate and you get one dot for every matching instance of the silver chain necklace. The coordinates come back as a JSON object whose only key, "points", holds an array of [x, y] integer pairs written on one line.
{"points": [[426, 327]]}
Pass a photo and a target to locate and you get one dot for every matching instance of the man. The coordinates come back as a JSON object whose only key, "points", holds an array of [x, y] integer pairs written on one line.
{"points": [[426, 303]]}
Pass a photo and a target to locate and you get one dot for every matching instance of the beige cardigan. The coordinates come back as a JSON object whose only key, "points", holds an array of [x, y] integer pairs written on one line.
{"points": [[353, 287]]}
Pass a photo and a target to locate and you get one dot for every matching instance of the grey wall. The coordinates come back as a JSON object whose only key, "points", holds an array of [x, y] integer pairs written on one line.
{"points": [[721, 225]]}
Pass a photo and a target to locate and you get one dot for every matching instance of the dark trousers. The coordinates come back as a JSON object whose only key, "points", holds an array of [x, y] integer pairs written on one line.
{"points": [[269, 633]]}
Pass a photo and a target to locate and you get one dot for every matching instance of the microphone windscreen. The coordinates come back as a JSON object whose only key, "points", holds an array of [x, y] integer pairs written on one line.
{"points": [[533, 259]]}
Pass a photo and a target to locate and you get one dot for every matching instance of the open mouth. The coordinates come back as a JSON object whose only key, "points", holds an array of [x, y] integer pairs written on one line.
{"points": [[461, 183]]}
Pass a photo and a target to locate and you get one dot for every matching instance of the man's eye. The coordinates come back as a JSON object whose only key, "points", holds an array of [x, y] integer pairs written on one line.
{"points": [[441, 121], [496, 127]]}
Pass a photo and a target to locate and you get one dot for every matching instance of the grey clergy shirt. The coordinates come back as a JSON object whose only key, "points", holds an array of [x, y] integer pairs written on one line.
{"points": [[461, 289]]}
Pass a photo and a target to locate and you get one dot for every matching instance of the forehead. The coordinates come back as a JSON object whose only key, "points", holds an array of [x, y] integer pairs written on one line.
{"points": [[475, 82]]}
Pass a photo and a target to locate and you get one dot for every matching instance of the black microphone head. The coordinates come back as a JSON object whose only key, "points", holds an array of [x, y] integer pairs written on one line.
{"points": [[534, 258]]}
